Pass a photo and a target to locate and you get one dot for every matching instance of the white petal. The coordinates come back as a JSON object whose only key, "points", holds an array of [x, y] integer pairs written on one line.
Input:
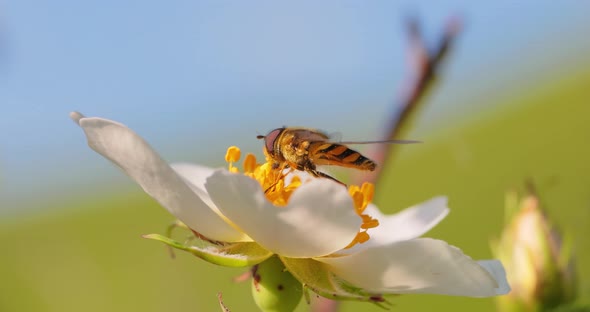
{"points": [[421, 265], [139, 161], [408, 224], [302, 175], [319, 219], [496, 269], [195, 176]]}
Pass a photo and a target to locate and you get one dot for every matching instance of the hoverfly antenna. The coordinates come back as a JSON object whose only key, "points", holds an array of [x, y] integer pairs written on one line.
{"points": [[260, 136]]}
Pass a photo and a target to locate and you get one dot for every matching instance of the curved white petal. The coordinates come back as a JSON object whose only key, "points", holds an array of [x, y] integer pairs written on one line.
{"points": [[141, 163], [496, 269], [195, 176], [407, 224], [194, 173], [319, 219], [421, 265]]}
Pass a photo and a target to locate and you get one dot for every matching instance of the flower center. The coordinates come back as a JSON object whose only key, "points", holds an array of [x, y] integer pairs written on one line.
{"points": [[278, 187]]}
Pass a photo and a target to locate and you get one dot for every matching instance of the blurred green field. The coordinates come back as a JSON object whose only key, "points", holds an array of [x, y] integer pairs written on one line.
{"points": [[90, 256]]}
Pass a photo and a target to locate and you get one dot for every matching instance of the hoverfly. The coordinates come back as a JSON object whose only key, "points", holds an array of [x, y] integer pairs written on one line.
{"points": [[303, 149]]}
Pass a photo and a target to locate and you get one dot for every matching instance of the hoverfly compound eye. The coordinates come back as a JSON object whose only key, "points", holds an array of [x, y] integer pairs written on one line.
{"points": [[270, 138]]}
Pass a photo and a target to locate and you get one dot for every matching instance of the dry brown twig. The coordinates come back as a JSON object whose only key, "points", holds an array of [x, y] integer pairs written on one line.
{"points": [[424, 67], [221, 304]]}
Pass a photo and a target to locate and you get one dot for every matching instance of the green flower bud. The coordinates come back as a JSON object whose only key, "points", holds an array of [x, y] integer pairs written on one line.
{"points": [[539, 265], [274, 288]]}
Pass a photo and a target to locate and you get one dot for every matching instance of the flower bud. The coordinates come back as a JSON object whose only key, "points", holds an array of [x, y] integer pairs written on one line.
{"points": [[274, 288], [539, 264]]}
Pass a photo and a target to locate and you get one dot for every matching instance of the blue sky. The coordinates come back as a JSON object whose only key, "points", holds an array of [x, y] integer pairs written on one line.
{"points": [[195, 76]]}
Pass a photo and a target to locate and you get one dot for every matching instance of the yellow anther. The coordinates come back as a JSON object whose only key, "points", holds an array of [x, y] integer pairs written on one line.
{"points": [[368, 190], [353, 189], [249, 163], [369, 222], [361, 196], [360, 238], [295, 183], [357, 200], [233, 154]]}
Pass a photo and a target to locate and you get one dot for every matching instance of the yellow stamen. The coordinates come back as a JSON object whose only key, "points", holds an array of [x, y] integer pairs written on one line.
{"points": [[368, 190], [250, 163], [361, 197], [360, 238], [272, 182], [358, 199], [231, 156], [353, 189], [369, 222]]}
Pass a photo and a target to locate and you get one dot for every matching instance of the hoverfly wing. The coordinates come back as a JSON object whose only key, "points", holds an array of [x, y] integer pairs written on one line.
{"points": [[335, 136], [381, 142]]}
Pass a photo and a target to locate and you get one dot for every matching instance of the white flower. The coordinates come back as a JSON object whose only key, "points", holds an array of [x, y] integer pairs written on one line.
{"points": [[309, 233]]}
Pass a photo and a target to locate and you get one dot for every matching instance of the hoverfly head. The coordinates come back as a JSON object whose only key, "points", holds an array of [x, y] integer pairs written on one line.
{"points": [[270, 138]]}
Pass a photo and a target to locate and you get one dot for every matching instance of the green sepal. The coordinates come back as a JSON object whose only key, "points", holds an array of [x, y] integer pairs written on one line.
{"points": [[511, 206], [316, 277], [230, 255]]}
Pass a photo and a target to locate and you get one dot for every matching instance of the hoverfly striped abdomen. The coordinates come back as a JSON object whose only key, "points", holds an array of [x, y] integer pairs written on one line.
{"points": [[329, 153]]}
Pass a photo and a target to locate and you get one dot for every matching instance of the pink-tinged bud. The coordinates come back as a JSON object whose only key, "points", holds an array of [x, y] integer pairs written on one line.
{"points": [[539, 263]]}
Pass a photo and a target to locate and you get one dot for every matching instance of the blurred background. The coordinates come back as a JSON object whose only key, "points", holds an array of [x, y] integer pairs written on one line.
{"points": [[510, 103]]}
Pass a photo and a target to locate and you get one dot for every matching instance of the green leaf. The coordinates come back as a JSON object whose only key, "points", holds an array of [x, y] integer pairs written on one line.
{"points": [[317, 277], [229, 255]]}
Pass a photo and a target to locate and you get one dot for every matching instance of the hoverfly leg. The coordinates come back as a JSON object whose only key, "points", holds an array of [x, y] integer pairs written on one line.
{"points": [[281, 176], [311, 168], [320, 174], [272, 186]]}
